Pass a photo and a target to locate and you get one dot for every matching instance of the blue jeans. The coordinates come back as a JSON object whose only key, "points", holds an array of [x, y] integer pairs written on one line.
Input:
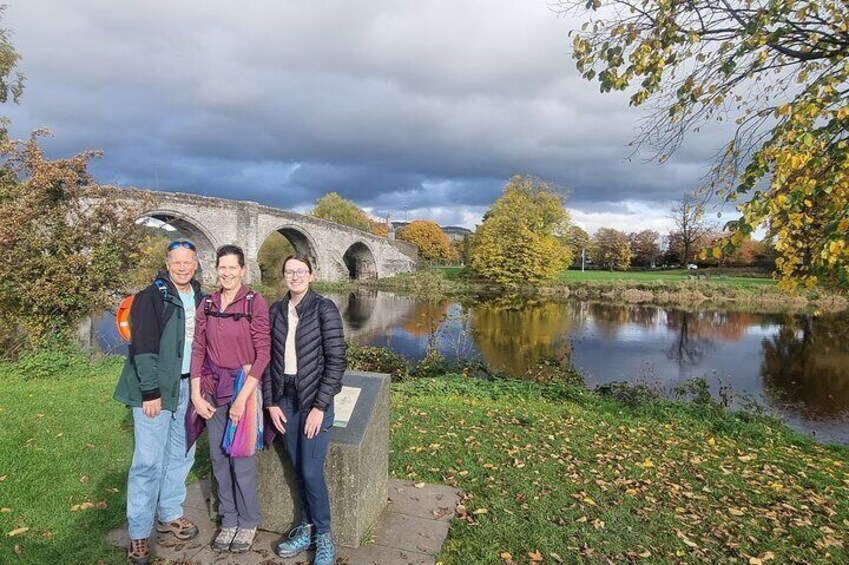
{"points": [[157, 481], [307, 456]]}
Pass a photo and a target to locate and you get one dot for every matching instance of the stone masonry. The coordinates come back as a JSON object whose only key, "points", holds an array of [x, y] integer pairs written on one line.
{"points": [[338, 252]]}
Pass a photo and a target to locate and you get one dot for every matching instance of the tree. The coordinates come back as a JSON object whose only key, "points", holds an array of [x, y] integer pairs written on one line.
{"points": [[612, 249], [645, 249], [778, 69], [270, 258], [432, 242], [11, 80], [578, 241], [67, 243], [690, 225], [516, 243], [334, 208], [378, 227]]}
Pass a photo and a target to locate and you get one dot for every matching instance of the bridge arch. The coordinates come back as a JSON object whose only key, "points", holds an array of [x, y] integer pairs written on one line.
{"points": [[300, 240], [191, 229], [360, 262]]}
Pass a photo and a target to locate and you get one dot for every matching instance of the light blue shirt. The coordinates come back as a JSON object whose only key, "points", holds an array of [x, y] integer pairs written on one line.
{"points": [[188, 299]]}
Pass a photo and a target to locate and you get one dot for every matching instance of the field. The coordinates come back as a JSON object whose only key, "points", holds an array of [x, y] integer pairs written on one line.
{"points": [[550, 474]]}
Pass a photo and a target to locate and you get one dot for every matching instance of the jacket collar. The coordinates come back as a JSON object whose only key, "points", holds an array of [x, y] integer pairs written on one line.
{"points": [[308, 298], [243, 291], [166, 278]]}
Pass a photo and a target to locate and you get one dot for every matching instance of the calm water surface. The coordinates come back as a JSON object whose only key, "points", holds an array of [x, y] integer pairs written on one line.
{"points": [[796, 366]]}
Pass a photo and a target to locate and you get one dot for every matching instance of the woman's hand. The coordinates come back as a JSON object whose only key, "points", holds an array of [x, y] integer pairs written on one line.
{"points": [[237, 410], [277, 418], [313, 423], [204, 409]]}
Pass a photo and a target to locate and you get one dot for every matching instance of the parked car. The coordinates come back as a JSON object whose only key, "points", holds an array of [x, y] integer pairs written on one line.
{"points": [[691, 266]]}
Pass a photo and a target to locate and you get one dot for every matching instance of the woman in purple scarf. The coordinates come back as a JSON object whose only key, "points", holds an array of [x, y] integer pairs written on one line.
{"points": [[232, 344]]}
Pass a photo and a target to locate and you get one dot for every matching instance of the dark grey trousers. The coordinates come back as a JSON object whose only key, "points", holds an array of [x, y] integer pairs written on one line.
{"points": [[235, 477]]}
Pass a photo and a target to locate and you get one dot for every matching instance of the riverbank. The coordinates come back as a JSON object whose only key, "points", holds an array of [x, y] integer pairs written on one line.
{"points": [[680, 289], [553, 472]]}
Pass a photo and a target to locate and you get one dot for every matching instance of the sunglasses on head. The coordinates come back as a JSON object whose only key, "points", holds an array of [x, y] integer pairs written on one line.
{"points": [[181, 243]]}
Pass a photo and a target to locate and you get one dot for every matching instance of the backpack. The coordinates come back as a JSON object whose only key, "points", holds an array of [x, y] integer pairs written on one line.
{"points": [[122, 316], [248, 312]]}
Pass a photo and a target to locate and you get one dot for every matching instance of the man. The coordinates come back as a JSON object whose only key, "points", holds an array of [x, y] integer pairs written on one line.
{"points": [[155, 385]]}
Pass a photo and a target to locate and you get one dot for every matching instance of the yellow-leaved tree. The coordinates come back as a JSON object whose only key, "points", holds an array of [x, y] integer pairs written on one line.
{"points": [[779, 70], [432, 242], [518, 241]]}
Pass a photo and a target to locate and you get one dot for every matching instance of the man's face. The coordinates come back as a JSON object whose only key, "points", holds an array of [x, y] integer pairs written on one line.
{"points": [[182, 264]]}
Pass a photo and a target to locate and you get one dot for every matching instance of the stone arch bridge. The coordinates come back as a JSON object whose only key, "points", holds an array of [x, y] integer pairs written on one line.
{"points": [[338, 252]]}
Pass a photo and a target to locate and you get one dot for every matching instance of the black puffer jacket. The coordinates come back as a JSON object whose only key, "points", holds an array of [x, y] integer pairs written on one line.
{"points": [[319, 346]]}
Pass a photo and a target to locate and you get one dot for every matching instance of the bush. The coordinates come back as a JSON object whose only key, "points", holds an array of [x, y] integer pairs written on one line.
{"points": [[377, 360], [56, 363]]}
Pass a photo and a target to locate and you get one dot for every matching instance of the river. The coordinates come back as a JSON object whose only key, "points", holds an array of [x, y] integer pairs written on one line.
{"points": [[794, 366]]}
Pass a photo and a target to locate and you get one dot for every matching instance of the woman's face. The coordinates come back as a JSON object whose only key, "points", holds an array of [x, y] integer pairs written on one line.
{"points": [[229, 272], [297, 276]]}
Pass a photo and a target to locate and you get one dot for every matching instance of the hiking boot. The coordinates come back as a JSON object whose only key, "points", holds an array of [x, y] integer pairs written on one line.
{"points": [[243, 540], [224, 539], [325, 553], [182, 528], [299, 540], [139, 552]]}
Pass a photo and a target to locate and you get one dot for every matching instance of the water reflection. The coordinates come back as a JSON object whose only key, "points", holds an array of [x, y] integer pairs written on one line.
{"points": [[806, 363], [514, 337], [798, 366]]}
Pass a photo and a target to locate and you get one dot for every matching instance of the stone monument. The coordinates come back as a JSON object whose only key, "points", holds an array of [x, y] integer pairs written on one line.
{"points": [[356, 468]]}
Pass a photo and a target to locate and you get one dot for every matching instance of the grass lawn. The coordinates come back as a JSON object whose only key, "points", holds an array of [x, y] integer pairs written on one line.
{"points": [[660, 276], [551, 473]]}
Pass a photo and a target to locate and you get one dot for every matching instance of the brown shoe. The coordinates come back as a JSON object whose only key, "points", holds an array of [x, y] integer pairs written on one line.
{"points": [[139, 552], [182, 528]]}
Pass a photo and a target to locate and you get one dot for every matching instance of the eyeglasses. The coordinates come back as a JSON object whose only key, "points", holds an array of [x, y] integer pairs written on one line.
{"points": [[182, 243], [300, 273]]}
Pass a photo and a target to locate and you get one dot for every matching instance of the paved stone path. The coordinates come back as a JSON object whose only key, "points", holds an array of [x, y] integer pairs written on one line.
{"points": [[410, 531]]}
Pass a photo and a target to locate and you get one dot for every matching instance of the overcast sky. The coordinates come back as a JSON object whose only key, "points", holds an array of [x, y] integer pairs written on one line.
{"points": [[412, 109]]}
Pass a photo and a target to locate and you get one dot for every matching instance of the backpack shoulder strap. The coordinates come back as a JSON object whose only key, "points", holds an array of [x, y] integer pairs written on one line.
{"points": [[249, 305], [168, 307]]}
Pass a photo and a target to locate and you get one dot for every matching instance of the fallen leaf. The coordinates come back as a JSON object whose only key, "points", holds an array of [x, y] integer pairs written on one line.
{"points": [[506, 556], [17, 532], [480, 511], [18, 550], [419, 485], [556, 557], [535, 556], [5, 510]]}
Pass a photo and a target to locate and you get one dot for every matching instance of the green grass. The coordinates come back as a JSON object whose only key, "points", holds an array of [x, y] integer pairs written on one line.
{"points": [[662, 276], [571, 474], [63, 442], [543, 468]]}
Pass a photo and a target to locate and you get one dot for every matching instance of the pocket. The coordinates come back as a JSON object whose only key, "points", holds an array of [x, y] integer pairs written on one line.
{"points": [[321, 442]]}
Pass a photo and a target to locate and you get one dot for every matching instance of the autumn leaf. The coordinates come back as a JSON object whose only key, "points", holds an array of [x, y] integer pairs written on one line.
{"points": [[17, 531], [536, 556]]}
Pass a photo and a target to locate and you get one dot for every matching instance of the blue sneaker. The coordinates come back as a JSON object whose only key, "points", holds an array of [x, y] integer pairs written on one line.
{"points": [[325, 554], [300, 539]]}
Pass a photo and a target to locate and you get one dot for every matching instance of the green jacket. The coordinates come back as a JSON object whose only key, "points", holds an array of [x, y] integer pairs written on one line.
{"points": [[155, 360]]}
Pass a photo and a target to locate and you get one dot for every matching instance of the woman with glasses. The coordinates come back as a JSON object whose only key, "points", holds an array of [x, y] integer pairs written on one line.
{"points": [[229, 355], [305, 373]]}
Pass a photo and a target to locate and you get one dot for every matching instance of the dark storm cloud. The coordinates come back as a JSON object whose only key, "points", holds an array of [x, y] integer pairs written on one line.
{"points": [[405, 107]]}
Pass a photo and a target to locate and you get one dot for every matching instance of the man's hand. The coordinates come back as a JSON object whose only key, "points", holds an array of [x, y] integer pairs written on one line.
{"points": [[313, 424], [277, 418], [152, 408]]}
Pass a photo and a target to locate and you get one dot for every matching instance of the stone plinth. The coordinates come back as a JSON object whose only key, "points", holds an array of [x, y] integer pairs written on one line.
{"points": [[356, 468]]}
